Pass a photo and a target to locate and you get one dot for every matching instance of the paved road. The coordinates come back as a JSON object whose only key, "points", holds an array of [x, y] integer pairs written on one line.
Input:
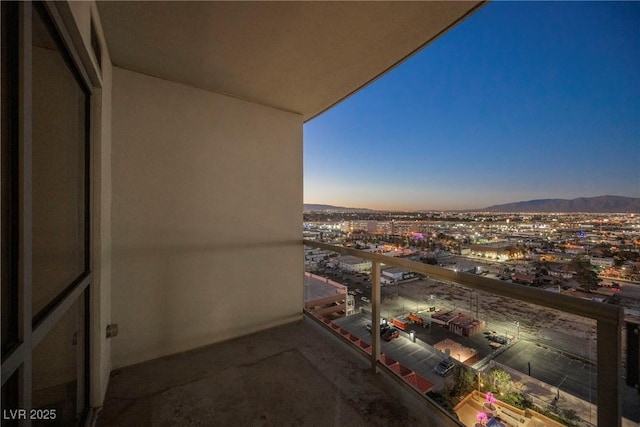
{"points": [[566, 373], [569, 374], [412, 355], [630, 290]]}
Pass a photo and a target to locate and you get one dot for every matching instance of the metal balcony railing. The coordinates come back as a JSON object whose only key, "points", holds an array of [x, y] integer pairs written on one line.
{"points": [[609, 318]]}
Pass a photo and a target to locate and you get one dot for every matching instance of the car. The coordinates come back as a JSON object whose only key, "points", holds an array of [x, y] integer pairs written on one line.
{"points": [[383, 328], [500, 339], [445, 367], [390, 334]]}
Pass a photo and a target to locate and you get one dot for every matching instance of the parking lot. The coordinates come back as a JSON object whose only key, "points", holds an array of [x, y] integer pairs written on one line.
{"points": [[569, 374], [394, 305], [414, 356]]}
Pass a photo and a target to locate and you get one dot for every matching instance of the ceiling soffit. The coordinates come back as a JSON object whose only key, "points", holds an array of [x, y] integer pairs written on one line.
{"points": [[297, 56]]}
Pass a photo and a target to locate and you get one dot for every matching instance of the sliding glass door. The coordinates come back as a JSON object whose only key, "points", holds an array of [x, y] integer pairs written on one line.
{"points": [[46, 271]]}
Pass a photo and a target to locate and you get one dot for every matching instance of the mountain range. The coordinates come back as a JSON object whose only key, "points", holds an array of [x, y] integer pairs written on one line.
{"points": [[599, 204], [330, 208]]}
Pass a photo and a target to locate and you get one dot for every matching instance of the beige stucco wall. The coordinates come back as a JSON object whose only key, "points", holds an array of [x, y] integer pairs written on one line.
{"points": [[206, 217]]}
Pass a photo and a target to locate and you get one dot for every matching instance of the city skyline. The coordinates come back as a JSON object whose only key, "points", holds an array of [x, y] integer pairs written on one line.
{"points": [[521, 101]]}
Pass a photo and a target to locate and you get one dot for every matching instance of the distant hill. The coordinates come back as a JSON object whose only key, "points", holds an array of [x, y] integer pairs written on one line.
{"points": [[329, 208], [600, 204]]}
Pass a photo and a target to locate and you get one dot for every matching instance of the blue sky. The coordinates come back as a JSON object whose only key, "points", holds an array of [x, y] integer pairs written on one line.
{"points": [[521, 101]]}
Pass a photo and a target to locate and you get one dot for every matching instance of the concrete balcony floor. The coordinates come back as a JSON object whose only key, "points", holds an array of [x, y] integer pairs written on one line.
{"points": [[296, 374]]}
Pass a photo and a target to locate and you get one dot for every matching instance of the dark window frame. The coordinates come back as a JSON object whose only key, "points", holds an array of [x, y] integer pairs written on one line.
{"points": [[63, 49], [10, 181], [17, 364]]}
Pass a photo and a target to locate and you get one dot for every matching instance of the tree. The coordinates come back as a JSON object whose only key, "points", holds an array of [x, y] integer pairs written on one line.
{"points": [[511, 392], [501, 378], [585, 275], [464, 381]]}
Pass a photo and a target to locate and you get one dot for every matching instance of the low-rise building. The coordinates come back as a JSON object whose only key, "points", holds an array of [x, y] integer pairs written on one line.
{"points": [[601, 262], [575, 249], [524, 278], [458, 323], [393, 273], [556, 257], [561, 271], [353, 264], [490, 251], [466, 326], [327, 298], [390, 275], [457, 351]]}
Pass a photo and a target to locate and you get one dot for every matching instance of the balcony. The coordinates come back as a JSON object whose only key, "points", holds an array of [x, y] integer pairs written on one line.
{"points": [[313, 372], [295, 374]]}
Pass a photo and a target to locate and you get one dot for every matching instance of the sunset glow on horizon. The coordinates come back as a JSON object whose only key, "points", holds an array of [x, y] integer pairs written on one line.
{"points": [[520, 101]]}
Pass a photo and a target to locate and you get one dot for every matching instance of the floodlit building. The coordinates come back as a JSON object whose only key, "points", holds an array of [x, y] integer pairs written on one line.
{"points": [[498, 251]]}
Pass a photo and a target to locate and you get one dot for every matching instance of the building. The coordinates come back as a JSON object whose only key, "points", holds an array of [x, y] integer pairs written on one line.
{"points": [[498, 251], [353, 264], [457, 351], [602, 262], [555, 257], [524, 278], [458, 323], [390, 275], [326, 298], [561, 271], [393, 273], [574, 249]]}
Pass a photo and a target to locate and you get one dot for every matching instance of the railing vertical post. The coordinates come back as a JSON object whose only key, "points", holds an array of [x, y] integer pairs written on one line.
{"points": [[609, 364], [375, 315]]}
